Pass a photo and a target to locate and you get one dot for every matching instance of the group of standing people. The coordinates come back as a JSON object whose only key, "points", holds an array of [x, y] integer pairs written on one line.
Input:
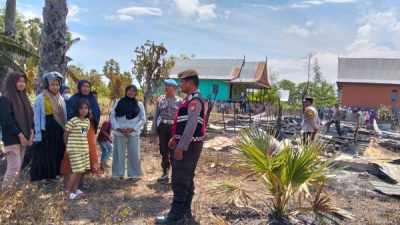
{"points": [[311, 120], [59, 131]]}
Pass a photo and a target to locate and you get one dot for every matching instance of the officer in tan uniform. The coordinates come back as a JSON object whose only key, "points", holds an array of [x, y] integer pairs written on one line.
{"points": [[163, 119], [188, 134], [310, 121]]}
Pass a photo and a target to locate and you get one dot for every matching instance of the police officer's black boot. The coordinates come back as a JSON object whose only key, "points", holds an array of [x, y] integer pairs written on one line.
{"points": [[175, 215], [164, 176], [188, 208]]}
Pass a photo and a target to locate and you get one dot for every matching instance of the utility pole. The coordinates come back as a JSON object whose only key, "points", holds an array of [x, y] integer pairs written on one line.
{"points": [[308, 78]]}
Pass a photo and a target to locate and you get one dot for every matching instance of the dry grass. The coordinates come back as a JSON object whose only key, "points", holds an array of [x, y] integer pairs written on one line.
{"points": [[114, 201]]}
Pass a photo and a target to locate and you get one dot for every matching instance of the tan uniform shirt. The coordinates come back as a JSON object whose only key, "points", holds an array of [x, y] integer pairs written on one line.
{"points": [[310, 120]]}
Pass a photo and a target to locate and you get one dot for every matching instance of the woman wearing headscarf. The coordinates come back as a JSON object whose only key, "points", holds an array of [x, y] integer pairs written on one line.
{"points": [[65, 92], [16, 120], [84, 89], [50, 117], [127, 118]]}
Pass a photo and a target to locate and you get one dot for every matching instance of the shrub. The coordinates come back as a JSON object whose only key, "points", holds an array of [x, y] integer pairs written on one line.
{"points": [[385, 113], [289, 175]]}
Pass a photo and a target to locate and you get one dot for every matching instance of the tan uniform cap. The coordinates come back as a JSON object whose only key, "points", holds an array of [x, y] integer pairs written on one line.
{"points": [[187, 73]]}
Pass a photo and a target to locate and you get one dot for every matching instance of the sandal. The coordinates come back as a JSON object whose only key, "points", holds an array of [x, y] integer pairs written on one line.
{"points": [[79, 193], [73, 196]]}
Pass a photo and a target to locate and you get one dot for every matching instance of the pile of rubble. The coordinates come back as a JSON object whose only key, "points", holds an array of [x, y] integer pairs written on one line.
{"points": [[375, 156]]}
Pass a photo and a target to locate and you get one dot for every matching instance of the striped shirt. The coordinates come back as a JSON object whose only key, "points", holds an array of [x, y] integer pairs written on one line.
{"points": [[78, 130]]}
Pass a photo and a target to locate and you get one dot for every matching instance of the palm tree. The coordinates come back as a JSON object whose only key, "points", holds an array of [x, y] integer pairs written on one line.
{"points": [[53, 38], [288, 175], [10, 48], [9, 21], [9, 31]]}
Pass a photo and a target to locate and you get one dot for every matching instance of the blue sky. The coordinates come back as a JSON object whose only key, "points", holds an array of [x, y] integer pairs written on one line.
{"points": [[285, 31]]}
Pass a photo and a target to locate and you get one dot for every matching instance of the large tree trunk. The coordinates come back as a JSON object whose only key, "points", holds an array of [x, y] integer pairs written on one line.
{"points": [[53, 38], [146, 97], [9, 30], [9, 21]]}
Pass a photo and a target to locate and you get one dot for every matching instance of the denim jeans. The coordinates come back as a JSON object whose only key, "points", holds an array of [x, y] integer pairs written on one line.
{"points": [[106, 149]]}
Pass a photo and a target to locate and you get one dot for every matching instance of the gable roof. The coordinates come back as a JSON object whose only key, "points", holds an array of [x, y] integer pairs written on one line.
{"points": [[368, 70], [253, 72], [229, 70], [214, 69]]}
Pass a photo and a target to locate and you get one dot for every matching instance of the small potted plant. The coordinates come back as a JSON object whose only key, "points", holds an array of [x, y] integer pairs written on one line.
{"points": [[385, 117]]}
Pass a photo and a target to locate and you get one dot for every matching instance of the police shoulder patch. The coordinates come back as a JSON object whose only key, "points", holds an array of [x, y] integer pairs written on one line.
{"points": [[192, 105], [309, 113]]}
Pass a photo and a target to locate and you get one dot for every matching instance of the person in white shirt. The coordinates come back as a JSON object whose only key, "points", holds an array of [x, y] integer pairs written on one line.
{"points": [[127, 118]]}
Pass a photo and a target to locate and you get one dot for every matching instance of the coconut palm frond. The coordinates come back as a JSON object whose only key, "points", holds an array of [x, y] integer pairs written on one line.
{"points": [[5, 59], [72, 42], [231, 193], [11, 46], [218, 220], [323, 209], [255, 148], [71, 74]]}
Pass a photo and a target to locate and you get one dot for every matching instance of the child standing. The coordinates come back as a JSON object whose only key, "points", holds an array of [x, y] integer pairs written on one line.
{"points": [[105, 141], [75, 137]]}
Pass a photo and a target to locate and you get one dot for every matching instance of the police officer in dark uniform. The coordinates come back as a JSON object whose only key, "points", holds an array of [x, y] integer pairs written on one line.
{"points": [[163, 119], [187, 141]]}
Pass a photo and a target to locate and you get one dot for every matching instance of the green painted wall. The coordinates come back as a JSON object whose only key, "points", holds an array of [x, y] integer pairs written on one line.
{"points": [[206, 86]]}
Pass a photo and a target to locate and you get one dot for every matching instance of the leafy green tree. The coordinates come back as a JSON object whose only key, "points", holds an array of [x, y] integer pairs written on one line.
{"points": [[150, 66], [118, 81], [316, 68], [324, 95]]}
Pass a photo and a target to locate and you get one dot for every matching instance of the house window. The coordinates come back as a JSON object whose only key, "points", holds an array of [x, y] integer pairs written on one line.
{"points": [[394, 95]]}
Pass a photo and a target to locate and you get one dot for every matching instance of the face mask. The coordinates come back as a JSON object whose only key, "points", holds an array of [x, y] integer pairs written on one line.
{"points": [[66, 96]]}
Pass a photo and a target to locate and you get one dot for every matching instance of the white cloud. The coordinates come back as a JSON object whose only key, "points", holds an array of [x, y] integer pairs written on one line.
{"points": [[73, 11], [378, 36], [206, 12], [28, 11], [78, 35], [135, 11], [120, 17], [296, 69], [123, 17], [297, 31], [193, 8], [127, 14], [310, 3], [270, 7]]}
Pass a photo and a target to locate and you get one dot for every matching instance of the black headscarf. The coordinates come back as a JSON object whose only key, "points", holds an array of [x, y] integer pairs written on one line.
{"points": [[128, 107], [94, 106]]}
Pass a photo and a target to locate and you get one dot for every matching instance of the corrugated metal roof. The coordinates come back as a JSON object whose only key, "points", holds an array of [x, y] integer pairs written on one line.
{"points": [[253, 72], [217, 69], [248, 73], [369, 70]]}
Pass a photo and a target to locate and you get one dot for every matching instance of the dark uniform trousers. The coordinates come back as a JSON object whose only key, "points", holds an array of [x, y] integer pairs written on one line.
{"points": [[183, 174], [165, 134]]}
